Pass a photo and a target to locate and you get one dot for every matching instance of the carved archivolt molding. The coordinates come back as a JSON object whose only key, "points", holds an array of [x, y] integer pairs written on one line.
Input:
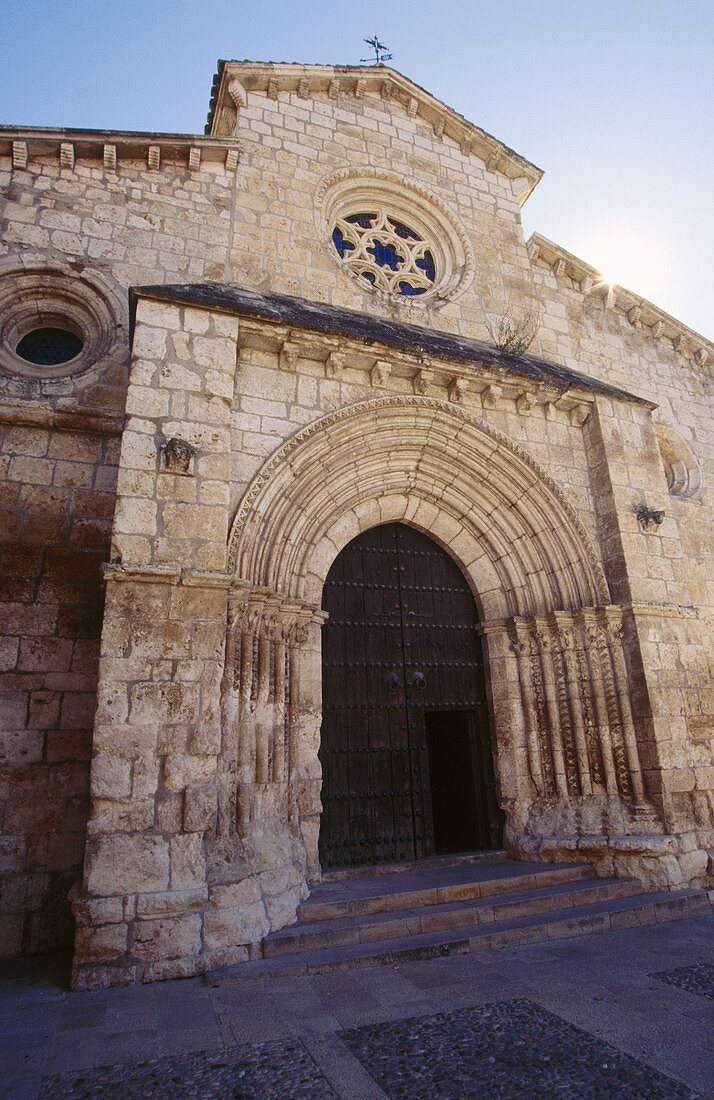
{"points": [[577, 719], [487, 500], [358, 189]]}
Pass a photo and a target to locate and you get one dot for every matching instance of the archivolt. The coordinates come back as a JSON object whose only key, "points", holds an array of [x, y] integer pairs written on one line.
{"points": [[431, 464]]}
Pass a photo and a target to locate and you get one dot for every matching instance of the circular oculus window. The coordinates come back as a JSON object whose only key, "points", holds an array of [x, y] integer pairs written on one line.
{"points": [[55, 324], [48, 347], [395, 237]]}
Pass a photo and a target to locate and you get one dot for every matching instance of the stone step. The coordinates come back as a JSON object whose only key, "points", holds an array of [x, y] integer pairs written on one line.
{"points": [[432, 917], [579, 920], [432, 883], [491, 855]]}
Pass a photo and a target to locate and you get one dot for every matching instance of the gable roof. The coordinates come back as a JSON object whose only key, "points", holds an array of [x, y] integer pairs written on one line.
{"points": [[270, 78]]}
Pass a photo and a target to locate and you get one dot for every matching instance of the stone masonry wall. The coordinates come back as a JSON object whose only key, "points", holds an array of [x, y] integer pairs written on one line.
{"points": [[173, 219], [57, 502]]}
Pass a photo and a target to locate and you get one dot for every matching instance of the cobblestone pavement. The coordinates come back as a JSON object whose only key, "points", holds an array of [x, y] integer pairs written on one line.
{"points": [[621, 1014]]}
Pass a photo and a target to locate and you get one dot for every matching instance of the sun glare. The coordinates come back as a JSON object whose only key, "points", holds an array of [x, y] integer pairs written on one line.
{"points": [[629, 261]]}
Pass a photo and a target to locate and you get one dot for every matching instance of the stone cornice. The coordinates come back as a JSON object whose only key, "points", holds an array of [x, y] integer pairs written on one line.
{"points": [[357, 81], [23, 143], [642, 315], [288, 317], [24, 414]]}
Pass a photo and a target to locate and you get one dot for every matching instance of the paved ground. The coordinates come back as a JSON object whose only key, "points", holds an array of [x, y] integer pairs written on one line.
{"points": [[622, 1014]]}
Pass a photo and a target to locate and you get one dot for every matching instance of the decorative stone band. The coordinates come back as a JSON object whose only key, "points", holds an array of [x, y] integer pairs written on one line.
{"points": [[640, 313], [26, 143], [260, 704], [577, 719]]}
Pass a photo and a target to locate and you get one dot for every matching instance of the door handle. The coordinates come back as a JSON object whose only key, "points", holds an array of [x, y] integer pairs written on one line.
{"points": [[418, 681], [392, 681]]}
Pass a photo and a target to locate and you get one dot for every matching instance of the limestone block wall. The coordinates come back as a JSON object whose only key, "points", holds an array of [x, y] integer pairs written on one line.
{"points": [[168, 883], [57, 493], [135, 219], [666, 463], [211, 397], [305, 133]]}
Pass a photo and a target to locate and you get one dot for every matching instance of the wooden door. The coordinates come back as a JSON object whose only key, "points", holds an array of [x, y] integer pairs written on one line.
{"points": [[405, 746]]}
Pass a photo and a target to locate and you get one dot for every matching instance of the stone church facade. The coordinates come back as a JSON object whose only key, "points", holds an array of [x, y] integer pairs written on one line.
{"points": [[243, 377]]}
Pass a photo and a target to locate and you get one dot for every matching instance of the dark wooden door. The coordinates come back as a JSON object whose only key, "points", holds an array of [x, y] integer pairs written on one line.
{"points": [[405, 745]]}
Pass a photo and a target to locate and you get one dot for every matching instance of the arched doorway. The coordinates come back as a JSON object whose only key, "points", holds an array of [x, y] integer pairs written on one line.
{"points": [[405, 746]]}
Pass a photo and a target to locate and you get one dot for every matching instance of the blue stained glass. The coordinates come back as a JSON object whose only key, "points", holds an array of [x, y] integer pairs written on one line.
{"points": [[386, 255], [369, 276], [403, 231], [411, 291], [363, 220], [340, 243], [428, 266]]}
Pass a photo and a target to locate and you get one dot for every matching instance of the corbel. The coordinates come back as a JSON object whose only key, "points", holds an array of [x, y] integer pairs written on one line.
{"points": [[586, 284], [237, 93], [634, 316], [66, 154], [492, 162], [194, 158], [657, 329], [649, 519], [303, 89], [579, 415], [360, 88], [273, 89], [19, 154], [153, 158], [178, 456], [289, 355], [524, 403], [466, 145], [412, 107], [109, 156], [334, 364], [387, 89], [549, 410], [231, 160], [380, 373], [533, 251], [422, 381], [701, 355], [559, 268], [457, 390], [490, 396], [679, 343], [333, 89]]}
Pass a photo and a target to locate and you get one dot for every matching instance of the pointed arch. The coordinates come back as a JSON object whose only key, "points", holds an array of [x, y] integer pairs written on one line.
{"points": [[431, 464]]}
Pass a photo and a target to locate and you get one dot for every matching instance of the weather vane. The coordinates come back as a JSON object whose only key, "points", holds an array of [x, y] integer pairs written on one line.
{"points": [[380, 52]]}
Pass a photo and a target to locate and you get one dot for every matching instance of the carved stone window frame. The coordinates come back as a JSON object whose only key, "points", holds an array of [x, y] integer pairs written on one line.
{"points": [[38, 294], [360, 190]]}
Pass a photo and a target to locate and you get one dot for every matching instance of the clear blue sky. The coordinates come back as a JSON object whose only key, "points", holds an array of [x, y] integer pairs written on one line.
{"points": [[613, 98]]}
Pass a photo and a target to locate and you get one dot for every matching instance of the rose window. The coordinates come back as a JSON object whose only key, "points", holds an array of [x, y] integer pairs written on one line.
{"points": [[385, 252]]}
